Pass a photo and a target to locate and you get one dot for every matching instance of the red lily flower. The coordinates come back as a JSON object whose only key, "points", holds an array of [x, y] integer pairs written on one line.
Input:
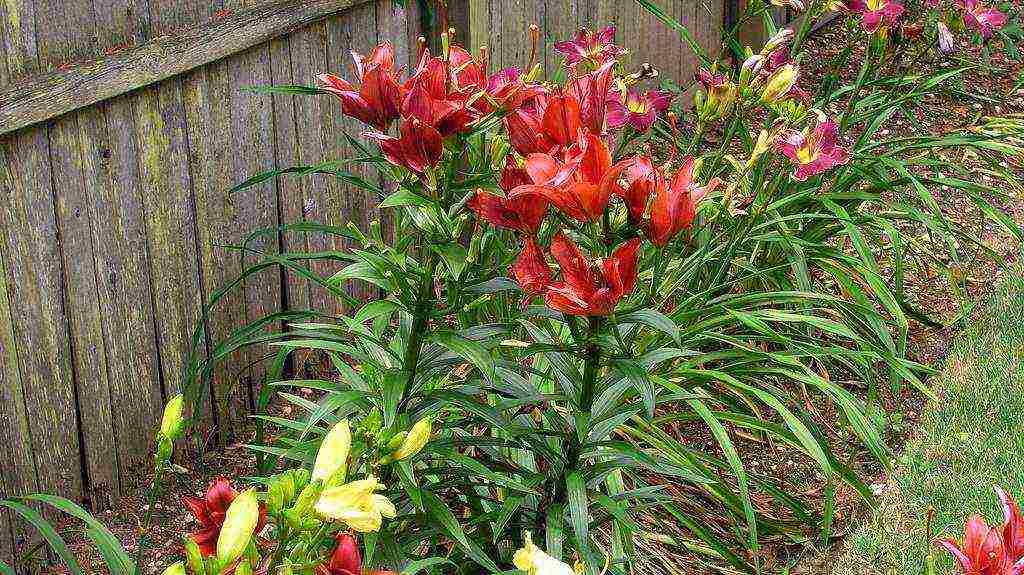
{"points": [[591, 91], [636, 109], [813, 153], [346, 559], [378, 99], [581, 186], [586, 290], [982, 552], [641, 179], [675, 205], [1013, 527], [985, 20], [210, 512], [523, 214], [543, 124], [531, 270], [435, 96], [506, 90], [418, 148], [595, 48]]}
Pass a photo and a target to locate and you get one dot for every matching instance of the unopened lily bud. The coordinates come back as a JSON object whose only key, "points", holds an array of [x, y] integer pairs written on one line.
{"points": [[306, 499], [194, 557], [781, 37], [164, 448], [946, 44], [175, 569], [275, 497], [751, 67], [780, 83], [763, 144], [172, 422], [397, 440], [239, 523], [418, 437], [332, 457]]}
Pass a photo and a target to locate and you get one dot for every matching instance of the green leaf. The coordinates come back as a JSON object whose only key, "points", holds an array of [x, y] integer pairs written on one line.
{"points": [[48, 533], [454, 256], [578, 513], [404, 197], [470, 350], [440, 511], [655, 319]]}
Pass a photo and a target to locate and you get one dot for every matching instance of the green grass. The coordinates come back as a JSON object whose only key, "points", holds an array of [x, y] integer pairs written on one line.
{"points": [[968, 442]]}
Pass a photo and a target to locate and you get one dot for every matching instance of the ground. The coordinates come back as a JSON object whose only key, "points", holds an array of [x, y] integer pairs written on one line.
{"points": [[927, 287]]}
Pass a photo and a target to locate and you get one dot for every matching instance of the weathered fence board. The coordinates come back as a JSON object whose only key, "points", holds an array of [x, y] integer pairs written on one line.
{"points": [[503, 25], [123, 127]]}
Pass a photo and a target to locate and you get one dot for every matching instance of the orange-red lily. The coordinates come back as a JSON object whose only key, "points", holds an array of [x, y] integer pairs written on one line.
{"points": [[378, 99], [417, 148], [1013, 526], [675, 204], [523, 214], [531, 270], [591, 91], [982, 551], [591, 290], [581, 185]]}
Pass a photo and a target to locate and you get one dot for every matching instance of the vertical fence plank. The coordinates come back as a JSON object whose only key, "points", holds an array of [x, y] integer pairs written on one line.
{"points": [[17, 462], [111, 182], [163, 147]]}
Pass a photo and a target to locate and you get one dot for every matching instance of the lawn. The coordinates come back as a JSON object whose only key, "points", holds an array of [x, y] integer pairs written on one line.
{"points": [[969, 442]]}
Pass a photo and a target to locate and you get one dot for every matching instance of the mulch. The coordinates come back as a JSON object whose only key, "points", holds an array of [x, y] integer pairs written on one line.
{"points": [[928, 287]]}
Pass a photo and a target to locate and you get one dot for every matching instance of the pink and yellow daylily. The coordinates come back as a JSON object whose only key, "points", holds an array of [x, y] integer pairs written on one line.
{"points": [[982, 18], [596, 48], [637, 109], [813, 151]]}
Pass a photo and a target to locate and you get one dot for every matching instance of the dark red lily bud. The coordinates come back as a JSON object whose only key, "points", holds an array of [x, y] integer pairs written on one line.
{"points": [[345, 560]]}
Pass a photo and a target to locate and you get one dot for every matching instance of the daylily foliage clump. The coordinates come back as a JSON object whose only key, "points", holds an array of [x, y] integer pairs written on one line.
{"points": [[576, 275]]}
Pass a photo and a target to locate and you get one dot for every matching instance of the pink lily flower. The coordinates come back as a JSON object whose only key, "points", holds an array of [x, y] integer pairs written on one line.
{"points": [[591, 91], [1013, 527], [985, 20], [595, 48], [813, 153], [982, 552], [639, 110], [880, 14]]}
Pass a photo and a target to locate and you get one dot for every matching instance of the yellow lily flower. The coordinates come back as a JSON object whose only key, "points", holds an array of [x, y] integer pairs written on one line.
{"points": [[356, 504], [535, 561]]}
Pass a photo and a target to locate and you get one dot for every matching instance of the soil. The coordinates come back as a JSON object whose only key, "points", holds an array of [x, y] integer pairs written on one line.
{"points": [[927, 287]]}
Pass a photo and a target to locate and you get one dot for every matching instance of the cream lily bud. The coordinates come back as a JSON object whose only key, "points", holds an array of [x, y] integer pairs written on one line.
{"points": [[534, 561], [780, 83], [763, 144], [781, 37], [239, 523], [172, 422], [418, 437], [175, 569], [333, 454], [194, 557], [357, 505]]}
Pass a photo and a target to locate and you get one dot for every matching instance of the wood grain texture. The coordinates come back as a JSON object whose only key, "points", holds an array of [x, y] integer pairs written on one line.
{"points": [[55, 92], [110, 175], [17, 463]]}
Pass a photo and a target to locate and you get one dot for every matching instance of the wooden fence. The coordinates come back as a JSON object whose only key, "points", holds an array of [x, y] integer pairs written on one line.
{"points": [[122, 126]]}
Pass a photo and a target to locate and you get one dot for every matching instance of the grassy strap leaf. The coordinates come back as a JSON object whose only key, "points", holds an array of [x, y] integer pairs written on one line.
{"points": [[553, 534], [722, 437], [470, 350], [425, 564], [578, 512], [654, 319], [98, 532], [47, 531], [440, 511]]}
